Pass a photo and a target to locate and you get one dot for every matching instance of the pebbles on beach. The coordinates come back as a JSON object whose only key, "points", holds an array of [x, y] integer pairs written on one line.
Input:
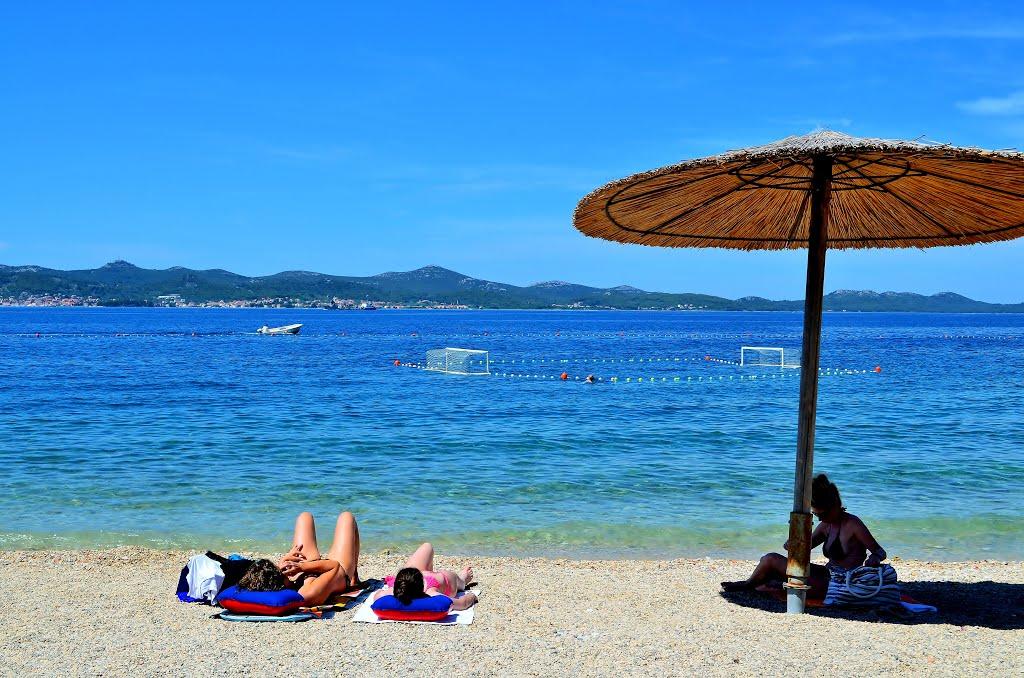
{"points": [[114, 612]]}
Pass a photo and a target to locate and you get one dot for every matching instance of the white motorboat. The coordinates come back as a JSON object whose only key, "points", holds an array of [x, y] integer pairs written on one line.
{"points": [[284, 329]]}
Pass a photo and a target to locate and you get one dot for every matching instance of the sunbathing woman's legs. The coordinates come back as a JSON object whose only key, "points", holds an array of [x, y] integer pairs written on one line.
{"points": [[344, 550], [455, 582], [772, 568], [423, 559], [305, 536], [345, 547]]}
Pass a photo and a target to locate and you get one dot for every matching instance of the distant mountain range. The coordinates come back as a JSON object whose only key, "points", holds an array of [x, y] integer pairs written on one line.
{"points": [[121, 283]]}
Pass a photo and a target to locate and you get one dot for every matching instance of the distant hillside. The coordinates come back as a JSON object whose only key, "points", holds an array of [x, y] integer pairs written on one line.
{"points": [[121, 283]]}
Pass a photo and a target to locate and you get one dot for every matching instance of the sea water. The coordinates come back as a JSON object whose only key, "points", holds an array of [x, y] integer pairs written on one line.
{"points": [[184, 428]]}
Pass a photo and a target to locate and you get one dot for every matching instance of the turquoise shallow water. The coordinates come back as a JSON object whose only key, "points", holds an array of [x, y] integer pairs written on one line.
{"points": [[188, 430]]}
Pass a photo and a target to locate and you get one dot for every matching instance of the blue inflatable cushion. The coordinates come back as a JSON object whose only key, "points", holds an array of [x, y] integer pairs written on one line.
{"points": [[427, 608], [242, 601]]}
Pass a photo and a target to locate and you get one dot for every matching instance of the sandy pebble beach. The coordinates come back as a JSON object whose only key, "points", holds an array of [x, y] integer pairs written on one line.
{"points": [[114, 612]]}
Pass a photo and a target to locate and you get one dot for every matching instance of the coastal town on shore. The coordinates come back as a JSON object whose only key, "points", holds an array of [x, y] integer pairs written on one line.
{"points": [[332, 304], [176, 301]]}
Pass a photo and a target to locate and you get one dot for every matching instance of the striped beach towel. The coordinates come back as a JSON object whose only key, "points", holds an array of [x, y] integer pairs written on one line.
{"points": [[862, 587]]}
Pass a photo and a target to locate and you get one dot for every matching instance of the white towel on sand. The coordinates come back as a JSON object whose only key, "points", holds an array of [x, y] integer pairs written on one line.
{"points": [[366, 614]]}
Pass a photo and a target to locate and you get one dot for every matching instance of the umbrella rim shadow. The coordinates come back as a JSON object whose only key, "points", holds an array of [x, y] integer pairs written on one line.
{"points": [[985, 604]]}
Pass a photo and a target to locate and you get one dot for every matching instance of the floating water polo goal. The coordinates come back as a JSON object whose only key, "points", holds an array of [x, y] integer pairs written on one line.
{"points": [[767, 356], [459, 361]]}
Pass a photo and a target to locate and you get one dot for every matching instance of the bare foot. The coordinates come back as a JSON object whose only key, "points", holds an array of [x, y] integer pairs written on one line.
{"points": [[733, 586], [354, 581], [467, 576]]}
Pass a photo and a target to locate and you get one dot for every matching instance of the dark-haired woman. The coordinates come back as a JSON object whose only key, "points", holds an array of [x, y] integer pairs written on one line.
{"points": [[845, 537], [419, 579], [303, 569]]}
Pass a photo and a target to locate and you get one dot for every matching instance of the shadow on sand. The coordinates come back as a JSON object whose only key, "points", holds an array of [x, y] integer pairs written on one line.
{"points": [[988, 604]]}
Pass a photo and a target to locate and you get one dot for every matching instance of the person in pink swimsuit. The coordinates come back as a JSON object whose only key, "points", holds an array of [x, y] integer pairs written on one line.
{"points": [[435, 582]]}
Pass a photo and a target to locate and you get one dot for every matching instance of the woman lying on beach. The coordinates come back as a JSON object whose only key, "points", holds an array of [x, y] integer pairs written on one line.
{"points": [[846, 542], [303, 569], [418, 579]]}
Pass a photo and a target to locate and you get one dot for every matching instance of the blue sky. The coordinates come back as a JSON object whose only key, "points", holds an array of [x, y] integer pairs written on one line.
{"points": [[355, 139]]}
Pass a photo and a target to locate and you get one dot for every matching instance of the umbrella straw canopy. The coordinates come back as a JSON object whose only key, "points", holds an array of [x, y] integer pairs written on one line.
{"points": [[819, 191], [885, 193]]}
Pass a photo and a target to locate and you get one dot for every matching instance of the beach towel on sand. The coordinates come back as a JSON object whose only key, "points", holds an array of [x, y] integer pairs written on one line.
{"points": [[366, 615], [297, 617]]}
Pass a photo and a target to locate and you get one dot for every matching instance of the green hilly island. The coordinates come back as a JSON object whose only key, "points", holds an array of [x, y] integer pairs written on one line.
{"points": [[120, 283]]}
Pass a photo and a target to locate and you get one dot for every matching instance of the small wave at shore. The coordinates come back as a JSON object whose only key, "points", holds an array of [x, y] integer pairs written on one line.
{"points": [[939, 539]]}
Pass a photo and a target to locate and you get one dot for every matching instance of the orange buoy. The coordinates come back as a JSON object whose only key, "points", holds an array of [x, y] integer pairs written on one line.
{"points": [[398, 363], [878, 368], [707, 357], [564, 376]]}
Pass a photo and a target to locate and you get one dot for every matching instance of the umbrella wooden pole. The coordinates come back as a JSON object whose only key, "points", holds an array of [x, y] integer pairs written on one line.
{"points": [[798, 567]]}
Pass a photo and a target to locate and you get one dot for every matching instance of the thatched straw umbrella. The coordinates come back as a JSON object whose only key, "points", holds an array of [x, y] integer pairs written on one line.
{"points": [[821, 191]]}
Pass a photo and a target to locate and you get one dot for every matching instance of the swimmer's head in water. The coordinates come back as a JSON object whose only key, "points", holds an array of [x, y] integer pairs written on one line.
{"points": [[263, 575], [825, 498], [408, 585]]}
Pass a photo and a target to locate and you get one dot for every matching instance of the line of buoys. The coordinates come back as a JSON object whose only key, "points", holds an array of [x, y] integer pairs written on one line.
{"points": [[707, 379], [782, 374], [542, 334], [564, 361], [666, 379], [791, 337], [983, 337], [721, 361], [682, 336], [715, 335]]}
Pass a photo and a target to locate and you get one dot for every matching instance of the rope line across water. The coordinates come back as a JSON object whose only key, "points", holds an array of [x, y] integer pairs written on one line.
{"points": [[674, 379]]}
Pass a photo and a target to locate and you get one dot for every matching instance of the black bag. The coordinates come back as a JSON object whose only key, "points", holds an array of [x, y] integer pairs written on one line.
{"points": [[233, 569]]}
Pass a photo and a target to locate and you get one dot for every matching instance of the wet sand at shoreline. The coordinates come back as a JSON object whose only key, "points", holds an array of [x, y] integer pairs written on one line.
{"points": [[114, 612]]}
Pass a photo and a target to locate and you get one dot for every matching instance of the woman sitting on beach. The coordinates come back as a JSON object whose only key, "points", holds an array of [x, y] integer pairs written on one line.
{"points": [[302, 568], [846, 540], [418, 579]]}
